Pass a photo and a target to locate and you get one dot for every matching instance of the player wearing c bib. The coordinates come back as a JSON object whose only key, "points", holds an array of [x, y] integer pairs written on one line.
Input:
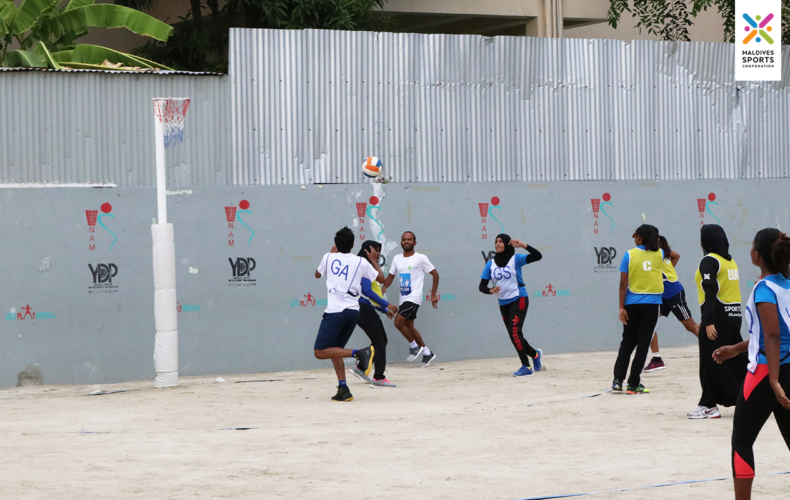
{"points": [[718, 288], [344, 273], [641, 286], [767, 385], [504, 272], [673, 300]]}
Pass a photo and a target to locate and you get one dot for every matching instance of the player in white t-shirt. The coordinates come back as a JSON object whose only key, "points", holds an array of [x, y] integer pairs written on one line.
{"points": [[344, 272], [410, 268]]}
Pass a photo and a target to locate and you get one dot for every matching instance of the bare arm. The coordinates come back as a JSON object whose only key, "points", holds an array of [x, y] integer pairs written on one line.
{"points": [[387, 283], [318, 275], [623, 288], [773, 342], [674, 257], [726, 352], [434, 297]]}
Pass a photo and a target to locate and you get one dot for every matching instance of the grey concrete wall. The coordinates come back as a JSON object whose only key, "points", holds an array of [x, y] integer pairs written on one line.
{"points": [[103, 332]]}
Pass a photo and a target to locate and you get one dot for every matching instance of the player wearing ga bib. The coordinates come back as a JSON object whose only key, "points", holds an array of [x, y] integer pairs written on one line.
{"points": [[719, 294], [641, 286], [504, 272], [344, 273], [766, 386]]}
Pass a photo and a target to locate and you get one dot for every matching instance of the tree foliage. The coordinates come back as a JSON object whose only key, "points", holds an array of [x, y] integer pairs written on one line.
{"points": [[670, 19], [45, 34], [200, 39]]}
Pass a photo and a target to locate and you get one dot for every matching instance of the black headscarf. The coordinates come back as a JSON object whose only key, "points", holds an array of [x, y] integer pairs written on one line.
{"points": [[502, 258], [714, 240], [368, 245]]}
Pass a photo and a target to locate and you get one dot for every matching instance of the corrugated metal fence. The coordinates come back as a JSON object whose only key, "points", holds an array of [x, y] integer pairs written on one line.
{"points": [[62, 127], [308, 107], [311, 105]]}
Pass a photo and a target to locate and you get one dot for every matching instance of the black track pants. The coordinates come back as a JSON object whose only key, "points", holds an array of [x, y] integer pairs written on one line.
{"points": [[756, 402], [638, 333], [513, 315], [721, 383], [371, 324]]}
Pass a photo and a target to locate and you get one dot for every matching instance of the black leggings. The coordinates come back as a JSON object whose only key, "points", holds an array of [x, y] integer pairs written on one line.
{"points": [[638, 333], [513, 315], [756, 402], [371, 324]]}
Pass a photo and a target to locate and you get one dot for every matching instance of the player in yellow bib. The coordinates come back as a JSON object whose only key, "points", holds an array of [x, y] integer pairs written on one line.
{"points": [[719, 292], [641, 286]]}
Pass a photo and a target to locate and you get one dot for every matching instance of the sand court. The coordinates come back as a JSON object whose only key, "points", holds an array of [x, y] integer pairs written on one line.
{"points": [[455, 430]]}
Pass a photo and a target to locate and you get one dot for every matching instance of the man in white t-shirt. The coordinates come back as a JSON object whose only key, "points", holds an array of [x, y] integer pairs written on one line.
{"points": [[410, 268], [344, 272]]}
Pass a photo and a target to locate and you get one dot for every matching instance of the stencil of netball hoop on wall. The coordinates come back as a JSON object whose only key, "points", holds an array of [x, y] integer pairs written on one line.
{"points": [[374, 202], [94, 218], [600, 206], [232, 214], [703, 205]]}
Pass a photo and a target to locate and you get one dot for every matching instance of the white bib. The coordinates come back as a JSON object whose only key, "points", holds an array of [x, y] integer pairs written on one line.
{"points": [[755, 329], [506, 279]]}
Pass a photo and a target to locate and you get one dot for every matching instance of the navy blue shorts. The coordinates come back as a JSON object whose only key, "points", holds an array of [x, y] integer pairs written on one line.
{"points": [[336, 329]]}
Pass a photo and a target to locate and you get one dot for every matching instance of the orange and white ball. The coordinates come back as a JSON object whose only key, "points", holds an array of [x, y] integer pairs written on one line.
{"points": [[372, 167]]}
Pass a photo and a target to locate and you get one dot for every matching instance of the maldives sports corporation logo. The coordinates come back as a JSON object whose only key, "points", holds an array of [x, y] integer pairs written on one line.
{"points": [[308, 300], [28, 313], [599, 206], [703, 205], [93, 219], [550, 291], [231, 214], [364, 210], [758, 47], [486, 212]]}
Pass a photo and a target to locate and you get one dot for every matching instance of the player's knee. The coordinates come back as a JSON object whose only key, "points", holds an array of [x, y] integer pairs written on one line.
{"points": [[319, 354]]}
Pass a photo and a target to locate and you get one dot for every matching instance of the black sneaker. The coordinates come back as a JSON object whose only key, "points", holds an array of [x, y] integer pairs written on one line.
{"points": [[617, 385], [343, 394], [427, 359], [365, 359]]}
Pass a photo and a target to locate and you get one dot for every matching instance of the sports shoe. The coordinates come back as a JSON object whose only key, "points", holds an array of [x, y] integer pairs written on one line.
{"points": [[537, 361], [359, 374], [381, 383], [414, 353], [704, 412], [365, 359], [617, 385], [343, 394], [655, 364], [524, 371], [640, 389], [426, 360]]}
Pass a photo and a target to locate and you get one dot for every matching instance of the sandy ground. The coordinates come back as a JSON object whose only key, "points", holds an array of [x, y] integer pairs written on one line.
{"points": [[453, 430]]}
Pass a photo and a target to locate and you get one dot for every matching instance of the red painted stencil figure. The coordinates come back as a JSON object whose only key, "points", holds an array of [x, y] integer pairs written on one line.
{"points": [[93, 217], [309, 300], [703, 205], [598, 207], [361, 208], [230, 215], [485, 212], [28, 312]]}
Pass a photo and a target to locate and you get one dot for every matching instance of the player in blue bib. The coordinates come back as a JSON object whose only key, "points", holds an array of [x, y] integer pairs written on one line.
{"points": [[504, 272], [767, 385]]}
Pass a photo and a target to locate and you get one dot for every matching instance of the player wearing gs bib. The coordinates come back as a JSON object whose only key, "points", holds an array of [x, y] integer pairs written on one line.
{"points": [[767, 385], [504, 272], [410, 268], [641, 287], [673, 300], [719, 292], [344, 273]]}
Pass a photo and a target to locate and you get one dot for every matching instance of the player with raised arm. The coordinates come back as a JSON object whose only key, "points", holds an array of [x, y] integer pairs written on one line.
{"points": [[410, 268], [504, 271], [344, 273]]}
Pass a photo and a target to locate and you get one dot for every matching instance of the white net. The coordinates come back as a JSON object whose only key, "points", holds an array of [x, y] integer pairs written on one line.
{"points": [[171, 112]]}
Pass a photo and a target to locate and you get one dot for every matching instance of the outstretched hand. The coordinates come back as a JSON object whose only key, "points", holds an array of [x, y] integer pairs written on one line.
{"points": [[724, 353], [518, 244]]}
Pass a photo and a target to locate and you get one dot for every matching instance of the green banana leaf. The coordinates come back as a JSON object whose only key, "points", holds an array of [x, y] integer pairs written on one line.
{"points": [[29, 12], [43, 50], [143, 62], [78, 3], [115, 16], [93, 54], [24, 59], [63, 55], [7, 12]]}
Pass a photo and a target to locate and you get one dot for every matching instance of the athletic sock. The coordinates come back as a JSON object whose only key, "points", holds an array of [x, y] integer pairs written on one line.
{"points": [[657, 355], [354, 352], [413, 344], [426, 352], [342, 383]]}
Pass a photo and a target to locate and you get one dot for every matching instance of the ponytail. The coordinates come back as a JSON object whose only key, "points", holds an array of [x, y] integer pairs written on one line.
{"points": [[774, 248], [664, 245], [649, 235]]}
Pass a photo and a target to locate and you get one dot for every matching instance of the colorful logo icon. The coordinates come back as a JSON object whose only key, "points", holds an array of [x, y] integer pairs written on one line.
{"points": [[231, 214], [754, 29], [374, 203], [599, 206], [703, 205], [94, 217]]}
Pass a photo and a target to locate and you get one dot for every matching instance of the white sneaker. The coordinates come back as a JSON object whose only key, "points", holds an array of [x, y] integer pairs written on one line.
{"points": [[414, 353], [704, 412]]}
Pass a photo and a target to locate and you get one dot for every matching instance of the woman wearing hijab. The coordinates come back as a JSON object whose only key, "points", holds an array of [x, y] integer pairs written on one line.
{"points": [[504, 271], [641, 287], [370, 301], [719, 295]]}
